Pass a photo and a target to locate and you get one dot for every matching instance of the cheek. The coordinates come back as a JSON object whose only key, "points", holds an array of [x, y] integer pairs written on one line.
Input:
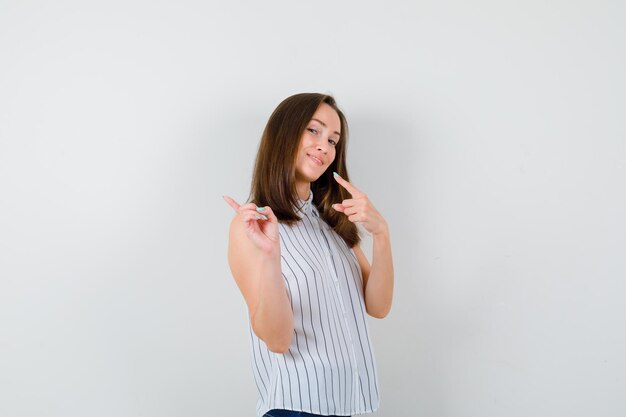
{"points": [[306, 142], [332, 154]]}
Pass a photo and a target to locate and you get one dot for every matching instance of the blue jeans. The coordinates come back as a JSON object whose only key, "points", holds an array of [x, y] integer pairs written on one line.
{"points": [[290, 413]]}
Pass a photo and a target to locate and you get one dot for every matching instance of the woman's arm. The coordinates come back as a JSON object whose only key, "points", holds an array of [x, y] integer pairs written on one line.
{"points": [[377, 279], [257, 272]]}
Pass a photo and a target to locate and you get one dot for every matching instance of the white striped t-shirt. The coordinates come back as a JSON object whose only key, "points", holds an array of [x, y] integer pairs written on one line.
{"points": [[330, 367]]}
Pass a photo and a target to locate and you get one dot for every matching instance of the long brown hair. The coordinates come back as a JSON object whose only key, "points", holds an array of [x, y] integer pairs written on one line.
{"points": [[273, 179]]}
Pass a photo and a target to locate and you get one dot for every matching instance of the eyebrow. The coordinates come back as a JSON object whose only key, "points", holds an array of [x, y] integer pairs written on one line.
{"points": [[324, 124]]}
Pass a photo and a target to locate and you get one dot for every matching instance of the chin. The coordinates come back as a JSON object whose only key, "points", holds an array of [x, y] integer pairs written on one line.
{"points": [[313, 175]]}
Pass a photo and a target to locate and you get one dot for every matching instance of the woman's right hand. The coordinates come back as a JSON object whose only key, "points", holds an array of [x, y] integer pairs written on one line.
{"points": [[261, 225]]}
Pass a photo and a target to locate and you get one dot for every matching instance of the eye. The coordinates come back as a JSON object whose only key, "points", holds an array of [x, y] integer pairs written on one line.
{"points": [[312, 130], [332, 142]]}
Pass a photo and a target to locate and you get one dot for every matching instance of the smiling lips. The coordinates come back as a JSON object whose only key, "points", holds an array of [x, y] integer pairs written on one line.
{"points": [[316, 160]]}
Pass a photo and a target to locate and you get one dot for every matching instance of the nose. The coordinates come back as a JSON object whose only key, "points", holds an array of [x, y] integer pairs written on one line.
{"points": [[322, 147]]}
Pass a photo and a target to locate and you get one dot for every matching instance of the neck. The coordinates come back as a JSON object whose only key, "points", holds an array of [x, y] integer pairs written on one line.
{"points": [[304, 190]]}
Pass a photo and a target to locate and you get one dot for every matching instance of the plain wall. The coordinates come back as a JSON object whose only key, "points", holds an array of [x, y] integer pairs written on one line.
{"points": [[489, 134]]}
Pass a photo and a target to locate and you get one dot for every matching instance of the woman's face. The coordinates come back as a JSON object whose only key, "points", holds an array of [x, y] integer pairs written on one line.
{"points": [[317, 145]]}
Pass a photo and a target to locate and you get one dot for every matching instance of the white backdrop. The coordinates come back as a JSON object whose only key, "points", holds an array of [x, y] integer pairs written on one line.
{"points": [[490, 134]]}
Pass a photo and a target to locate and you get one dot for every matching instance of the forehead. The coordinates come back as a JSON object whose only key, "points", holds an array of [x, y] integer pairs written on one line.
{"points": [[328, 116]]}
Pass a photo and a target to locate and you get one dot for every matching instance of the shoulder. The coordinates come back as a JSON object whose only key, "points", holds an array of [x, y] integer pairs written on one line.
{"points": [[242, 257], [236, 225], [239, 245], [236, 230]]}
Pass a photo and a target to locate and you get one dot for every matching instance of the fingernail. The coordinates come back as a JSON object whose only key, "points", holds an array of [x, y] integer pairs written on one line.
{"points": [[335, 174], [257, 216], [263, 216], [260, 208]]}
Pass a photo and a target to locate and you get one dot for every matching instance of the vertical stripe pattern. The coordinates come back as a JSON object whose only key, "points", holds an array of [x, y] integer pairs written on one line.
{"points": [[330, 367]]}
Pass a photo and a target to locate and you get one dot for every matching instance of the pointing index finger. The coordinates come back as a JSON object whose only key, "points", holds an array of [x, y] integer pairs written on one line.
{"points": [[355, 192], [231, 202]]}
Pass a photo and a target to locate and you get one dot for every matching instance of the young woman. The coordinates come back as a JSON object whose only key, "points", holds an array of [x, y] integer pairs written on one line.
{"points": [[294, 253]]}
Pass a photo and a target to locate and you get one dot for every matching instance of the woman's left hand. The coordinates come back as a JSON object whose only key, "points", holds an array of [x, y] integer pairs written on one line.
{"points": [[360, 209]]}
